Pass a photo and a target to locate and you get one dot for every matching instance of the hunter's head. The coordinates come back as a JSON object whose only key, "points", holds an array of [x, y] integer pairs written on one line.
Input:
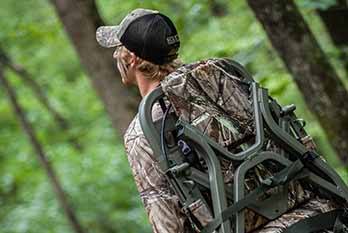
{"points": [[146, 44]]}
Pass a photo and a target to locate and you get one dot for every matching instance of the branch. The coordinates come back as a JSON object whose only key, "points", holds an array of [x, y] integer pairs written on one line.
{"points": [[38, 91], [46, 165]]}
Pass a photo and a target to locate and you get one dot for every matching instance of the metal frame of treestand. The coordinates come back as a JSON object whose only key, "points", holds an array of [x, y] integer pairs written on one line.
{"points": [[271, 122]]}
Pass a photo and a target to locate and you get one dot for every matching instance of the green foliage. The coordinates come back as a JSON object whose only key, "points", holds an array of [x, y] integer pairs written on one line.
{"points": [[98, 179], [316, 4]]}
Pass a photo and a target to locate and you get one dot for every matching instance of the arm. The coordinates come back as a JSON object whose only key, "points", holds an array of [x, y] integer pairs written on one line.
{"points": [[162, 206]]}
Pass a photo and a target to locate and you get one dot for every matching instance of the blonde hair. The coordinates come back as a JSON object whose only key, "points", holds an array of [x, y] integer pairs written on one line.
{"points": [[149, 69]]}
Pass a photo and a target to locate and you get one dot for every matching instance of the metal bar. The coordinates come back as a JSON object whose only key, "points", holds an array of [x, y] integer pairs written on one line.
{"points": [[239, 177], [146, 121], [215, 175]]}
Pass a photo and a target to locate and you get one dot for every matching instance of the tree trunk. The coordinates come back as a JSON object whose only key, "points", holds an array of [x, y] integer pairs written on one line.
{"points": [[81, 19], [52, 177], [335, 20], [322, 89]]}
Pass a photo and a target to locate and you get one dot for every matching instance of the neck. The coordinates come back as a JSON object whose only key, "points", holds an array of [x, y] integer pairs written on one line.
{"points": [[145, 84]]}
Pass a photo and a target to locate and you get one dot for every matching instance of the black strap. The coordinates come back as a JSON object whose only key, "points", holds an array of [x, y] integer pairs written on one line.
{"points": [[341, 222], [163, 105], [227, 213], [316, 223], [280, 178], [285, 175]]}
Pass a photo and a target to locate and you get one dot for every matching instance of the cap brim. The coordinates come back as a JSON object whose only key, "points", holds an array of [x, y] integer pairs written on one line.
{"points": [[107, 36]]}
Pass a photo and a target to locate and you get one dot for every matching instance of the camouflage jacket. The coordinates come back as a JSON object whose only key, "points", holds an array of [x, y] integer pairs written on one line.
{"points": [[198, 94], [161, 204]]}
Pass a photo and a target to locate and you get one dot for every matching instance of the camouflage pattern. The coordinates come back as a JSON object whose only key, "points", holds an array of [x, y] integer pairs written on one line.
{"points": [[161, 204], [208, 96], [219, 106], [203, 95], [308, 209], [109, 36]]}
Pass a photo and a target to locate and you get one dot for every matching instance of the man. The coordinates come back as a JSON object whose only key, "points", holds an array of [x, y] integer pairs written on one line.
{"points": [[147, 46]]}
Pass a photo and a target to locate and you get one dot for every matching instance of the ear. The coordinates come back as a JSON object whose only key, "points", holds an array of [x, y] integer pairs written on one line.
{"points": [[134, 60]]}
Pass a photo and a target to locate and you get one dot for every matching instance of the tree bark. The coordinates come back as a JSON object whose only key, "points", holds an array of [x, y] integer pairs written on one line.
{"points": [[322, 89], [335, 21], [81, 19], [53, 178]]}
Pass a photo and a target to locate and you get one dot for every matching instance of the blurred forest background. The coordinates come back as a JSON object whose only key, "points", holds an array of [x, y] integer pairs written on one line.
{"points": [[68, 98]]}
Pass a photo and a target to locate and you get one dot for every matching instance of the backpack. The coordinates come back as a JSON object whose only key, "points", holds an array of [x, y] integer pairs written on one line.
{"points": [[232, 154]]}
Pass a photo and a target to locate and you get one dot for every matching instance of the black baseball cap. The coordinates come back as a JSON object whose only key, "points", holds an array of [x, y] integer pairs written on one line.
{"points": [[147, 33]]}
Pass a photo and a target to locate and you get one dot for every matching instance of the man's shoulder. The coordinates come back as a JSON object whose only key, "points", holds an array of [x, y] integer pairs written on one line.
{"points": [[134, 129]]}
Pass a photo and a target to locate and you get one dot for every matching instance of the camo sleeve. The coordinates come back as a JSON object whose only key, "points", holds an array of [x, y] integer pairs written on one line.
{"points": [[162, 206]]}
